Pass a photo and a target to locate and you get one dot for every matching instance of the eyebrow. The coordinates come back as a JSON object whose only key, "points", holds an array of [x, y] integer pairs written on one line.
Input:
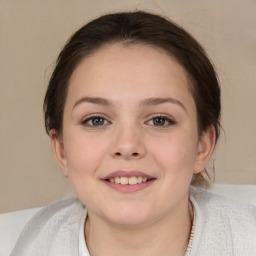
{"points": [[159, 100], [93, 100], [154, 101]]}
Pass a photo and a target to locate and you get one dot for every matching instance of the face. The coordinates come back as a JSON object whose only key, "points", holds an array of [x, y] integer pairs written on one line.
{"points": [[130, 141]]}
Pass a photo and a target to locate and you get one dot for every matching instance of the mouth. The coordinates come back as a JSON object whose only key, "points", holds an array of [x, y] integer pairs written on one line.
{"points": [[127, 182]]}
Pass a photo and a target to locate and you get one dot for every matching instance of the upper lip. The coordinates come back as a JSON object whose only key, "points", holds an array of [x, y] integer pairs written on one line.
{"points": [[128, 174]]}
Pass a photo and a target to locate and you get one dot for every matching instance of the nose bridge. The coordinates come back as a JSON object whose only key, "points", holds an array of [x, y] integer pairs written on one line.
{"points": [[128, 141]]}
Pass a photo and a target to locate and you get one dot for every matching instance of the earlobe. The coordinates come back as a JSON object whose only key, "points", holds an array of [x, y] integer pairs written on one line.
{"points": [[59, 153], [205, 149]]}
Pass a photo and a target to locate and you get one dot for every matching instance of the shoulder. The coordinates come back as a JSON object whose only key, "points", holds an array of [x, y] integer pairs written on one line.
{"points": [[222, 225], [230, 208], [59, 209], [50, 226], [56, 214]]}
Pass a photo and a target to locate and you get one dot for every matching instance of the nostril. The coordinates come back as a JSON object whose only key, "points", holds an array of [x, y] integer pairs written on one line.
{"points": [[135, 154]]}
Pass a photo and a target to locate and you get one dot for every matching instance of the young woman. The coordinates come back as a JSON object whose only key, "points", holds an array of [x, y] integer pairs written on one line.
{"points": [[132, 110]]}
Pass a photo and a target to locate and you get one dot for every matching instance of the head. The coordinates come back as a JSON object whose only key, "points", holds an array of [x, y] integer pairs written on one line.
{"points": [[138, 28]]}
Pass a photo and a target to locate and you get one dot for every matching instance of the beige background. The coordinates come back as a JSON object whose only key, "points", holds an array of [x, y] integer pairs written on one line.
{"points": [[32, 34]]}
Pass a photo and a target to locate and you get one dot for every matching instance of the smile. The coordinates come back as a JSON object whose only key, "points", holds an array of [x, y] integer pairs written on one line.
{"points": [[125, 180], [128, 181]]}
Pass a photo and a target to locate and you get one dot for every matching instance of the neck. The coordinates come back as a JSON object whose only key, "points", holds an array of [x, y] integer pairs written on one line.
{"points": [[166, 236]]}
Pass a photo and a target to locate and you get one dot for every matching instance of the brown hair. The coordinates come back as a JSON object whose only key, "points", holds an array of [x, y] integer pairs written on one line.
{"points": [[138, 28]]}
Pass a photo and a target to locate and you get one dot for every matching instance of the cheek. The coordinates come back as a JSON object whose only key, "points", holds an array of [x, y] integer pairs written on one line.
{"points": [[83, 153], [84, 156], [177, 154]]}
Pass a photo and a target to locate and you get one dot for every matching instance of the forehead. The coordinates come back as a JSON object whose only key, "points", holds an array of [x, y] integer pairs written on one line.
{"points": [[119, 70]]}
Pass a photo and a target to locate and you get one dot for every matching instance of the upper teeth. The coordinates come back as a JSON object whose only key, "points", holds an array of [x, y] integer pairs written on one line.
{"points": [[131, 181]]}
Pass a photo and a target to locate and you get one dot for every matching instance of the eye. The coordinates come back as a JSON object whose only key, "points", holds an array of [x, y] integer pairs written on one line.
{"points": [[161, 121], [95, 121]]}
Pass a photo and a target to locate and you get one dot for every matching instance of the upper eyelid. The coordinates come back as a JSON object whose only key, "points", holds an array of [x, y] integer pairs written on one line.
{"points": [[99, 115], [167, 116]]}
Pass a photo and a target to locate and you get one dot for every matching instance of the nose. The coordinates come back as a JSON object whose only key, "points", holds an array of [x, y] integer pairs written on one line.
{"points": [[128, 144]]}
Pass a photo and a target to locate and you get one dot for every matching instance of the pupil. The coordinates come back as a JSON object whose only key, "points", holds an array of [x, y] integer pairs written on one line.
{"points": [[159, 121], [97, 121]]}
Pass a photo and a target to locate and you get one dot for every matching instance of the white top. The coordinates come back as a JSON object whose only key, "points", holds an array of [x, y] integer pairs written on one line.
{"points": [[221, 227]]}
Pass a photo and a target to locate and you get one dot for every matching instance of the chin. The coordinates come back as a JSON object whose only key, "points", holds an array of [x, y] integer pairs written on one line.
{"points": [[130, 217]]}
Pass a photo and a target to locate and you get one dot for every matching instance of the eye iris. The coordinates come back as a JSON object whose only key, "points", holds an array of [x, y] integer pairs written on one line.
{"points": [[159, 121], [97, 121]]}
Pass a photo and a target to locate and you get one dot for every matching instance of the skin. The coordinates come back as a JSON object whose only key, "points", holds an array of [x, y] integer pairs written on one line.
{"points": [[126, 77]]}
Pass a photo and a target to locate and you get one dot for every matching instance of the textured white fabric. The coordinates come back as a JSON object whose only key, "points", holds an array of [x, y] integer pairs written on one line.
{"points": [[53, 231], [243, 193], [83, 251], [221, 227]]}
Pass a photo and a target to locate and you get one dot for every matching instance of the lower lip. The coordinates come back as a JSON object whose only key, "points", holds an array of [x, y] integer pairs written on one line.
{"points": [[129, 188]]}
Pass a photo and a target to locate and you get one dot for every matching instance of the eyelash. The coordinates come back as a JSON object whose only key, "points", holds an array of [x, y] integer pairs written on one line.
{"points": [[104, 120], [169, 121], [94, 117]]}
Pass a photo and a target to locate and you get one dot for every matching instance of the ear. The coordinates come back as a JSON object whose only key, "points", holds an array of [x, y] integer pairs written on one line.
{"points": [[59, 152], [205, 148]]}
